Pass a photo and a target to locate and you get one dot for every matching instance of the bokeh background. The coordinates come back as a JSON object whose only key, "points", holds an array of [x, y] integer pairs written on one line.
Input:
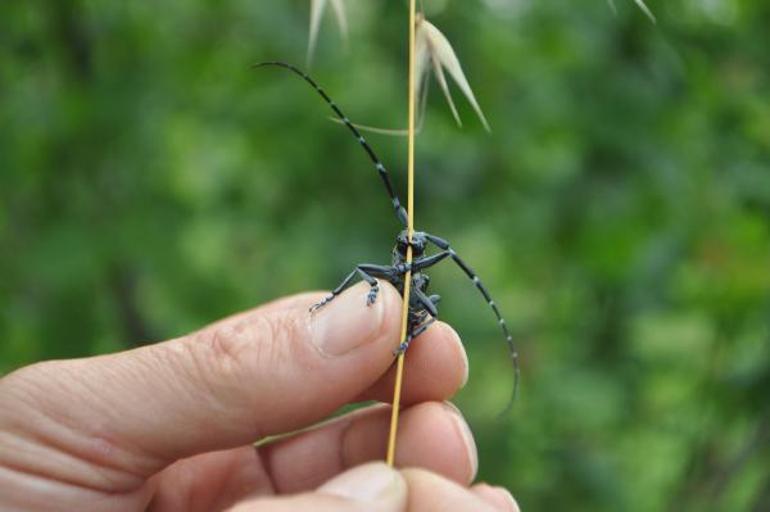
{"points": [[150, 182]]}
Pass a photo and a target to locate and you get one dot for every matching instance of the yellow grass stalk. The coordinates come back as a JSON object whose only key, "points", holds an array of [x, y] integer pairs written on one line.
{"points": [[391, 454]]}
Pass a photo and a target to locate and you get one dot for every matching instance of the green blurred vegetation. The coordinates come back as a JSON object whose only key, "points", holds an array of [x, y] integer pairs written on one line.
{"points": [[150, 182]]}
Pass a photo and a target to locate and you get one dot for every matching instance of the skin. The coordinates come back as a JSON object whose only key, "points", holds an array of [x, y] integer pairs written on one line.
{"points": [[171, 426]]}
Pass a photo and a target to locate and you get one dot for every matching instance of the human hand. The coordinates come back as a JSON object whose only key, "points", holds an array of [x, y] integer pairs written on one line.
{"points": [[170, 427]]}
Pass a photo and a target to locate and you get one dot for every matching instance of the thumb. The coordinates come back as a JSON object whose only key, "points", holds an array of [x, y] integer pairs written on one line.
{"points": [[370, 488], [272, 370]]}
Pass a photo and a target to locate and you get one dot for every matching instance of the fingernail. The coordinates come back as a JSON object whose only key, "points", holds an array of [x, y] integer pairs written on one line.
{"points": [[347, 322], [508, 497], [375, 482], [466, 435], [499, 497], [463, 354]]}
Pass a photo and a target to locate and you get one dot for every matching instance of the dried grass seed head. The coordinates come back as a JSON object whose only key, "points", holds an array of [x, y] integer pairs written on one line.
{"points": [[434, 51], [317, 9]]}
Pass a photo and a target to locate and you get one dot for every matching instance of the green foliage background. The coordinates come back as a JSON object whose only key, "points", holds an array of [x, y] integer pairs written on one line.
{"points": [[151, 183]]}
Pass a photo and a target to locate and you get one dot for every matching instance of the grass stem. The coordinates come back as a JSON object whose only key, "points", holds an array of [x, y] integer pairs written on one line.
{"points": [[391, 454]]}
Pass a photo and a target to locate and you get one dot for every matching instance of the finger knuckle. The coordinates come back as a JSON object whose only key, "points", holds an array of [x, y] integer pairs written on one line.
{"points": [[231, 354]]}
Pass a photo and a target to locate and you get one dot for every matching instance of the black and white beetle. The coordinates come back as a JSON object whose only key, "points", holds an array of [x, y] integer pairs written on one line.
{"points": [[422, 307]]}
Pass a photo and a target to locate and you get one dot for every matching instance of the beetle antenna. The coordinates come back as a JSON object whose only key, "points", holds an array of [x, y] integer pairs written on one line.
{"points": [[383, 172]]}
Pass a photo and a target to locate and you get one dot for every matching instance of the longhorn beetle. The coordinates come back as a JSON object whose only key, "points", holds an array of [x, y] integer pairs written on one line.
{"points": [[423, 309]]}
